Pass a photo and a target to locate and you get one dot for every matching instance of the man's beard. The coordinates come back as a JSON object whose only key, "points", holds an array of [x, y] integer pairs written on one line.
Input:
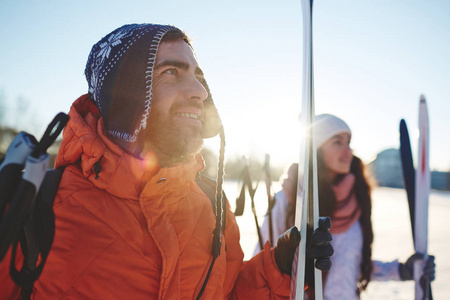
{"points": [[172, 142]]}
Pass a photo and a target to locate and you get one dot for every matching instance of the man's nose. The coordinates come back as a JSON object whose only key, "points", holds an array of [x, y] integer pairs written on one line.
{"points": [[195, 90]]}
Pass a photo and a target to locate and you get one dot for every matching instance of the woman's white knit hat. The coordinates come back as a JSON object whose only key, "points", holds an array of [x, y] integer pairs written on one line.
{"points": [[326, 126]]}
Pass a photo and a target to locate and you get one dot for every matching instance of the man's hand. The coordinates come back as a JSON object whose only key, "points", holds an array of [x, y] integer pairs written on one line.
{"points": [[406, 270], [319, 248], [285, 249]]}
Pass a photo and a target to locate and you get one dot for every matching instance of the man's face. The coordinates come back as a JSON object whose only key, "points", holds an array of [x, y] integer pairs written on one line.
{"points": [[174, 127]]}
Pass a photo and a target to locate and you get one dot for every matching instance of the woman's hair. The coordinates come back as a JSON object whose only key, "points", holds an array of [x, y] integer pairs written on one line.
{"points": [[362, 189], [362, 192]]}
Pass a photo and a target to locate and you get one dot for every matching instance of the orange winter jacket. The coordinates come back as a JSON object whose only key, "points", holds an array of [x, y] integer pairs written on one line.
{"points": [[134, 230]]}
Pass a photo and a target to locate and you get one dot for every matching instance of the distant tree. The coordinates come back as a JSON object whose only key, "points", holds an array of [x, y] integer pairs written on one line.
{"points": [[2, 107], [24, 116], [17, 116], [235, 166], [7, 133], [211, 162]]}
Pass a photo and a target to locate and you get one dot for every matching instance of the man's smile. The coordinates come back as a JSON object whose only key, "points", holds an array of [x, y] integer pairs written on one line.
{"points": [[188, 115]]}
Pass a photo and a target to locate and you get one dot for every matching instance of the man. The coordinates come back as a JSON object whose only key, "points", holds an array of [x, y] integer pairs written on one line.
{"points": [[131, 222]]}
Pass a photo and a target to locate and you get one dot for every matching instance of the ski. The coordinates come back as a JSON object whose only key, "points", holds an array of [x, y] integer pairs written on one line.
{"points": [[422, 191], [307, 203], [409, 178], [409, 175]]}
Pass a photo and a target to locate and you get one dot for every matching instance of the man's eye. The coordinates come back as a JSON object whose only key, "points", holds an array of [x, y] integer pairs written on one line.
{"points": [[172, 71]]}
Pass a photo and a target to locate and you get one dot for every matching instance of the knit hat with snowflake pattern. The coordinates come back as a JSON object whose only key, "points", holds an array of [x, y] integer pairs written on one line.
{"points": [[119, 72]]}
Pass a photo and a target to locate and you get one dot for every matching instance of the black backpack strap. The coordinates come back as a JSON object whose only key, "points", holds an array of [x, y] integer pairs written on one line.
{"points": [[208, 186], [50, 185], [37, 234]]}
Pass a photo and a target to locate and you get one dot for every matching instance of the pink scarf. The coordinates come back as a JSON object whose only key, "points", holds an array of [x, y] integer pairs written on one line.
{"points": [[347, 210]]}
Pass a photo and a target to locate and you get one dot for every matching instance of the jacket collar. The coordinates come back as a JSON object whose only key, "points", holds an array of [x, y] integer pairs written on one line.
{"points": [[120, 174]]}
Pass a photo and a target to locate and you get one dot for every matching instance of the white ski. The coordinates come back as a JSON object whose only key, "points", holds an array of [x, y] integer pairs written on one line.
{"points": [[307, 207], [421, 200]]}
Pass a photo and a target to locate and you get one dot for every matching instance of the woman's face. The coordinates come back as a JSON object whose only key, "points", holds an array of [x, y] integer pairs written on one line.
{"points": [[337, 154]]}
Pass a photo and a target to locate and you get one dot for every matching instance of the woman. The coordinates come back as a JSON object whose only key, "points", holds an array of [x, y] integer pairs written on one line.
{"points": [[345, 195]]}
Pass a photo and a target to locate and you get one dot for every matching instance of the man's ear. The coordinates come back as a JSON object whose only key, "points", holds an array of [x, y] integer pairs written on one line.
{"points": [[211, 119]]}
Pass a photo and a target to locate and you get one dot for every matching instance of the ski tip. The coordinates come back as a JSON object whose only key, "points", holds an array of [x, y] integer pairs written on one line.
{"points": [[422, 98], [402, 124]]}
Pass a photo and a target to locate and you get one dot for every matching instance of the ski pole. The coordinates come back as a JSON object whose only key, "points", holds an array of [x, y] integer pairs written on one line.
{"points": [[17, 213], [252, 191], [270, 200], [28, 186], [240, 200]]}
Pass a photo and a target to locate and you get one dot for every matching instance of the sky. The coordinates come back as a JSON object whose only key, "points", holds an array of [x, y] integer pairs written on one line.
{"points": [[372, 61]]}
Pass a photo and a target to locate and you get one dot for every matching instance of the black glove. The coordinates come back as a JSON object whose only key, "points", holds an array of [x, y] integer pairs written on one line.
{"points": [[284, 251], [319, 248], [406, 270]]}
